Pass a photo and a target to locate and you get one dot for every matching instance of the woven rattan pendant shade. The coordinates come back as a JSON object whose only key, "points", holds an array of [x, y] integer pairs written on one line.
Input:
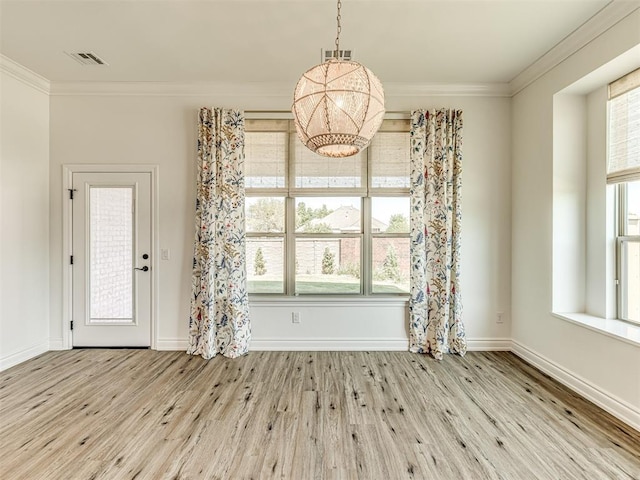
{"points": [[338, 107]]}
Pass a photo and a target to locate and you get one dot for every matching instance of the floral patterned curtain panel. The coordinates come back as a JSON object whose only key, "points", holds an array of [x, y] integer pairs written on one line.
{"points": [[219, 321], [436, 163]]}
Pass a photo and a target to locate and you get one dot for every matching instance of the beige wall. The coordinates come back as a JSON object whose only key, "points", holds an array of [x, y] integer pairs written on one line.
{"points": [[161, 129], [24, 221], [595, 362]]}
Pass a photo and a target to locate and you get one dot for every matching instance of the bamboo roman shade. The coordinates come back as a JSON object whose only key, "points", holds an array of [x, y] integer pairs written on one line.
{"points": [[277, 163], [389, 157], [313, 171], [266, 165], [624, 129]]}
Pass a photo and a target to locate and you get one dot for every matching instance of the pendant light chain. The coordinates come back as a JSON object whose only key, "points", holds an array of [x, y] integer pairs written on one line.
{"points": [[338, 18]]}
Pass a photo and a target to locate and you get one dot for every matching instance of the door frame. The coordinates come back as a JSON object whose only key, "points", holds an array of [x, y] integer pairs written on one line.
{"points": [[67, 215]]}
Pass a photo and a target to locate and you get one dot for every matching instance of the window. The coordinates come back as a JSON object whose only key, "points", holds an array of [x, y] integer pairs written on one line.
{"points": [[628, 250], [317, 225], [624, 172]]}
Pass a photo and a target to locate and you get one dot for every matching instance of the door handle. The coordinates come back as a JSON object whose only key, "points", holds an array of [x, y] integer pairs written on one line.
{"points": [[144, 269]]}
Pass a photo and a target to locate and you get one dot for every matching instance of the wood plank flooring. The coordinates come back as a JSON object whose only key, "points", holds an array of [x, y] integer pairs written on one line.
{"points": [[142, 414]]}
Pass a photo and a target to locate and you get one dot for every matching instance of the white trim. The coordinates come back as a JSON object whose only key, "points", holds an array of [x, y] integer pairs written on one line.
{"points": [[264, 89], [603, 20], [365, 344], [447, 89], [24, 75], [489, 344], [172, 344], [67, 278], [9, 361], [329, 344], [328, 301], [619, 408], [618, 329], [56, 344], [341, 344], [67, 178], [172, 89]]}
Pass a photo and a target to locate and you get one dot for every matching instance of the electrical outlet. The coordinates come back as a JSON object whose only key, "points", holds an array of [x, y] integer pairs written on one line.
{"points": [[499, 317], [295, 317]]}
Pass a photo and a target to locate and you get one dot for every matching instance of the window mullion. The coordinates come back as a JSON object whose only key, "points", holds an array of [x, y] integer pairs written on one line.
{"points": [[621, 228], [622, 209], [366, 261], [290, 254]]}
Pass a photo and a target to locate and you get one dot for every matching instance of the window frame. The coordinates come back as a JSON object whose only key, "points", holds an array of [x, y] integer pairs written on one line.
{"points": [[290, 193], [622, 236]]}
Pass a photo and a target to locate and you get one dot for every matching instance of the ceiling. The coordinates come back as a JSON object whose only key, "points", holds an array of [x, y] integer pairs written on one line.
{"points": [[404, 41]]}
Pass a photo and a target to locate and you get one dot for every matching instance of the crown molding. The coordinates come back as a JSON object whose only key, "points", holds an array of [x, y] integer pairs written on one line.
{"points": [[603, 20], [447, 89], [262, 90], [24, 75], [172, 89]]}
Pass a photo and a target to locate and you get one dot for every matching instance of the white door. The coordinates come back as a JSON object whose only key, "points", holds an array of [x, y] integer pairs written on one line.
{"points": [[111, 260]]}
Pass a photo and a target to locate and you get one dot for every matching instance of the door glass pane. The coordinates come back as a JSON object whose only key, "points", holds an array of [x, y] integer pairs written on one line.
{"points": [[328, 265], [111, 245], [265, 264], [390, 265]]}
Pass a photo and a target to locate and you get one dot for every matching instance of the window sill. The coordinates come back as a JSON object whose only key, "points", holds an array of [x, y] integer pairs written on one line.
{"points": [[618, 329], [328, 300]]}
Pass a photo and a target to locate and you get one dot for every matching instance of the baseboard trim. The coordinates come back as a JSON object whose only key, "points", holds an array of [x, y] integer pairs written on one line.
{"points": [[13, 359], [172, 344], [365, 344], [57, 344], [489, 344], [341, 344], [329, 344], [615, 406]]}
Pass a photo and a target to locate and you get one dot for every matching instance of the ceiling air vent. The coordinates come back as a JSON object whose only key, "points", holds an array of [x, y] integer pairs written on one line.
{"points": [[87, 58], [342, 55]]}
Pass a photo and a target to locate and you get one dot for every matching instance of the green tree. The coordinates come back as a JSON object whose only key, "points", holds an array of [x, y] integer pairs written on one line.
{"points": [[259, 264], [321, 212], [305, 214], [328, 262], [266, 215], [398, 223], [317, 228], [390, 266]]}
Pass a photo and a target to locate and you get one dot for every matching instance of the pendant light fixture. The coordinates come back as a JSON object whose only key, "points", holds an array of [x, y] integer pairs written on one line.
{"points": [[338, 105]]}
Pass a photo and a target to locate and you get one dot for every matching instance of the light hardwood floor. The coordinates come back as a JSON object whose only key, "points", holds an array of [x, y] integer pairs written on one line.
{"points": [[141, 414]]}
